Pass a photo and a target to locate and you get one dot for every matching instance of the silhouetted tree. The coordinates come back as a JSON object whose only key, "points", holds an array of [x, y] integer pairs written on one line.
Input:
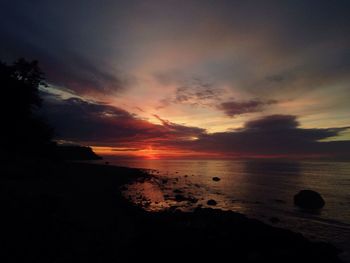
{"points": [[23, 133]]}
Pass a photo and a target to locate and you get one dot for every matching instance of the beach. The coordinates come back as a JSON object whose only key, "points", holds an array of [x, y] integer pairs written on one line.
{"points": [[65, 212], [259, 189]]}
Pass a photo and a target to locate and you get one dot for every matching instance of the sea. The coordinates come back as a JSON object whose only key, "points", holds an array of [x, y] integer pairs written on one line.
{"points": [[260, 189]]}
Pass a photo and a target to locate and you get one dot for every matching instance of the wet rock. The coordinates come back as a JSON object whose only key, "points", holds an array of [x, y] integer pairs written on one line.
{"points": [[211, 202], [192, 200], [309, 199], [178, 191], [275, 220], [216, 179], [181, 198], [280, 201], [173, 208], [164, 181]]}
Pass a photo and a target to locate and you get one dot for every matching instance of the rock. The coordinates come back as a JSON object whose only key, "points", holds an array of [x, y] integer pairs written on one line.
{"points": [[164, 181], [280, 201], [177, 191], [309, 199], [192, 200], [216, 179], [181, 198], [211, 202], [172, 208], [275, 220]]}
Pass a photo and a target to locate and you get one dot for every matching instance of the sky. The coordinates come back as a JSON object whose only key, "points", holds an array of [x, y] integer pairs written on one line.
{"points": [[190, 79]]}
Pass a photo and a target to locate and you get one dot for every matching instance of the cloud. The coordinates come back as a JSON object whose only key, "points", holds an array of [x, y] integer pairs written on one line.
{"points": [[295, 51], [272, 122], [266, 50], [273, 136], [67, 45], [68, 69], [99, 124], [94, 123], [81, 76], [195, 92], [233, 108], [182, 131]]}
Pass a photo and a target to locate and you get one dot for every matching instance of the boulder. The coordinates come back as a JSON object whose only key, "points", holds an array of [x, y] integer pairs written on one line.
{"points": [[274, 220], [309, 199], [181, 198], [211, 202]]}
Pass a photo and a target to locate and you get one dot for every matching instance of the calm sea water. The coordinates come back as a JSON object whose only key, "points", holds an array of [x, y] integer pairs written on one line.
{"points": [[258, 189]]}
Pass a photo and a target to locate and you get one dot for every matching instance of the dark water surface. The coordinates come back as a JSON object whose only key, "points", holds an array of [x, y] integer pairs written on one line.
{"points": [[258, 189]]}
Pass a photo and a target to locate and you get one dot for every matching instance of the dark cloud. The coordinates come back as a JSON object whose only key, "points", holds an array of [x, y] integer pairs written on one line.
{"points": [[182, 131], [271, 136], [274, 136], [233, 108], [66, 39], [67, 69], [273, 122], [292, 49], [94, 123], [79, 42], [81, 76]]}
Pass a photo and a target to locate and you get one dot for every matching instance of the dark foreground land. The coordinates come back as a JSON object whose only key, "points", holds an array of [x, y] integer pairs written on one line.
{"points": [[70, 212]]}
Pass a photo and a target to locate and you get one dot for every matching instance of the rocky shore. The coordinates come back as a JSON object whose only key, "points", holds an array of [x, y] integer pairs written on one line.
{"points": [[74, 212]]}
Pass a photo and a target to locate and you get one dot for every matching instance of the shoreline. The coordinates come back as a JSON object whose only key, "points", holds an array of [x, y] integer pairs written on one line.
{"points": [[76, 211]]}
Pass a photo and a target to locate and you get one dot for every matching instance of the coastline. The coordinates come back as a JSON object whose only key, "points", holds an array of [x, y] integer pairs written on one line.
{"points": [[63, 212]]}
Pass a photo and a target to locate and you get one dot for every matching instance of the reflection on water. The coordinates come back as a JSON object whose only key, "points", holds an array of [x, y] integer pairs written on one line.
{"points": [[272, 167], [259, 189]]}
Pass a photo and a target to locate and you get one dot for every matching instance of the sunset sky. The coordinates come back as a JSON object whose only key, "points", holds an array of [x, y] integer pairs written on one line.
{"points": [[190, 79]]}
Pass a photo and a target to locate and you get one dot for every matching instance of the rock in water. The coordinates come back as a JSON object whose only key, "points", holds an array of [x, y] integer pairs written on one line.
{"points": [[309, 199], [211, 202], [275, 220], [216, 179]]}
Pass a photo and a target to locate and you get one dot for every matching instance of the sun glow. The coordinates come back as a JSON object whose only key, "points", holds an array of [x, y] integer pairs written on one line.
{"points": [[149, 153]]}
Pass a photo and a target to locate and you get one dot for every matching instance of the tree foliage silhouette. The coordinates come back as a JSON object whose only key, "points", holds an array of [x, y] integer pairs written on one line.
{"points": [[23, 133]]}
